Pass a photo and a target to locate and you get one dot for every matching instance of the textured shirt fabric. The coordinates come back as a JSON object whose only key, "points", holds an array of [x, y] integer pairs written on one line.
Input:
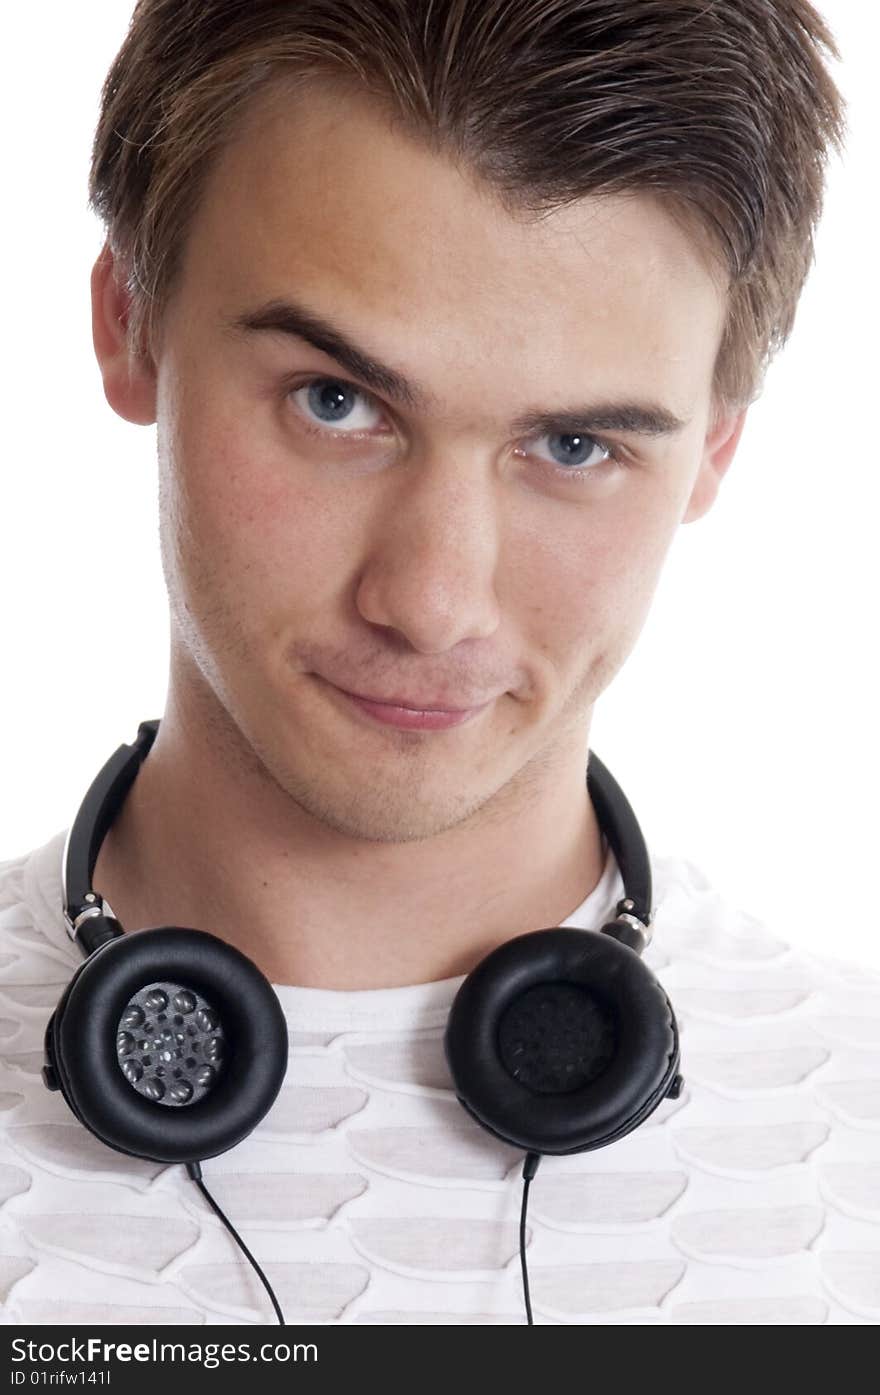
{"points": [[369, 1196]]}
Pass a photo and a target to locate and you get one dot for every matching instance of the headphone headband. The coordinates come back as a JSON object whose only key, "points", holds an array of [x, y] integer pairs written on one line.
{"points": [[100, 806], [108, 791]]}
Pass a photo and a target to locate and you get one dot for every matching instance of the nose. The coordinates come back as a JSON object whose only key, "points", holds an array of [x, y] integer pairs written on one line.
{"points": [[432, 558]]}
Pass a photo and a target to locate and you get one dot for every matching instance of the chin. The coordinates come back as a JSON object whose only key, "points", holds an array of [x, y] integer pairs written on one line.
{"points": [[387, 816]]}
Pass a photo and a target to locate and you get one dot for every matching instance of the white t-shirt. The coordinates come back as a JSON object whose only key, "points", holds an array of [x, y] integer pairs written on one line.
{"points": [[369, 1196]]}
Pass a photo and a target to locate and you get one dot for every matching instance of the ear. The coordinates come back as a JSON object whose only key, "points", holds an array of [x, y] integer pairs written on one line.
{"points": [[718, 451], [129, 379]]}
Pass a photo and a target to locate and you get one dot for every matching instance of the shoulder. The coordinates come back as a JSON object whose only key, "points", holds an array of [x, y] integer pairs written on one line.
{"points": [[35, 951], [734, 977], [11, 879], [695, 924], [777, 1128]]}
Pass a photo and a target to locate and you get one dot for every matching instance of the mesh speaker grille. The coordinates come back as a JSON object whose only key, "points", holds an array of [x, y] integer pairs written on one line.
{"points": [[170, 1044], [556, 1037]]}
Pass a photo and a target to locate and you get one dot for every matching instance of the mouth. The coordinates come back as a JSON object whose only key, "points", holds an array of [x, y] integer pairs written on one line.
{"points": [[405, 714]]}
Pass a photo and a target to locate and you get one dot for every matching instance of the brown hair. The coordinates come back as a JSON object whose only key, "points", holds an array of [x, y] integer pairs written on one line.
{"points": [[723, 109]]}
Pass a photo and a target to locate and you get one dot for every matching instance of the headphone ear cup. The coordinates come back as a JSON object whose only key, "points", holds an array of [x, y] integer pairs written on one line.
{"points": [[561, 1041], [168, 1044]]}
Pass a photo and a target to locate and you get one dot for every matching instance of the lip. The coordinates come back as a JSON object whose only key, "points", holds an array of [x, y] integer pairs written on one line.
{"points": [[406, 716]]}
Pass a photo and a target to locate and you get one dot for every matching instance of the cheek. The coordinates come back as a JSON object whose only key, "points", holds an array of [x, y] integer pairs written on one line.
{"points": [[564, 586], [251, 502], [246, 537], [585, 596]]}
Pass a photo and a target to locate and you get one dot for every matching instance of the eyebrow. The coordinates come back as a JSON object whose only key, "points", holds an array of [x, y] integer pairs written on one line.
{"points": [[284, 317]]}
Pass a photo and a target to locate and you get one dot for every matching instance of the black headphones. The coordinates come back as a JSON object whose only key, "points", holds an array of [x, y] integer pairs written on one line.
{"points": [[169, 1044]]}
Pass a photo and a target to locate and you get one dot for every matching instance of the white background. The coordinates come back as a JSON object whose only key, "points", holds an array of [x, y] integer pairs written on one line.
{"points": [[743, 728]]}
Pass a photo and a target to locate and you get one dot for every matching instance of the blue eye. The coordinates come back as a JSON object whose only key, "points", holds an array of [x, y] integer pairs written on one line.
{"points": [[331, 399], [576, 450]]}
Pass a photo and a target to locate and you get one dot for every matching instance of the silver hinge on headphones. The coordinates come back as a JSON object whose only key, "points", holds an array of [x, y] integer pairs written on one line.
{"points": [[74, 925], [646, 931]]}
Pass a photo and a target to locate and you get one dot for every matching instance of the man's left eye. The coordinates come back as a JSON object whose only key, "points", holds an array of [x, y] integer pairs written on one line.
{"points": [[577, 456]]}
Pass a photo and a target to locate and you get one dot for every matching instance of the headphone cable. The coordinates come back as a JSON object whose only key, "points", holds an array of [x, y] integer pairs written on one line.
{"points": [[530, 1167], [194, 1170]]}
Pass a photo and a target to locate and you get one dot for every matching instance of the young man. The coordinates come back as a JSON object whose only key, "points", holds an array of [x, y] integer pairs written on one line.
{"points": [[448, 315]]}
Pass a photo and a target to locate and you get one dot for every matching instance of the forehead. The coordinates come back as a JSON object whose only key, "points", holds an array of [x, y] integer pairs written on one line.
{"points": [[320, 195]]}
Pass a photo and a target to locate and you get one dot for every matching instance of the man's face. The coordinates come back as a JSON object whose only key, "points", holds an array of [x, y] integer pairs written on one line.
{"points": [[324, 535]]}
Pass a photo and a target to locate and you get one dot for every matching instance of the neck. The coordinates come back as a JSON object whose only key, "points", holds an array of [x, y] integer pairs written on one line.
{"points": [[207, 839]]}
